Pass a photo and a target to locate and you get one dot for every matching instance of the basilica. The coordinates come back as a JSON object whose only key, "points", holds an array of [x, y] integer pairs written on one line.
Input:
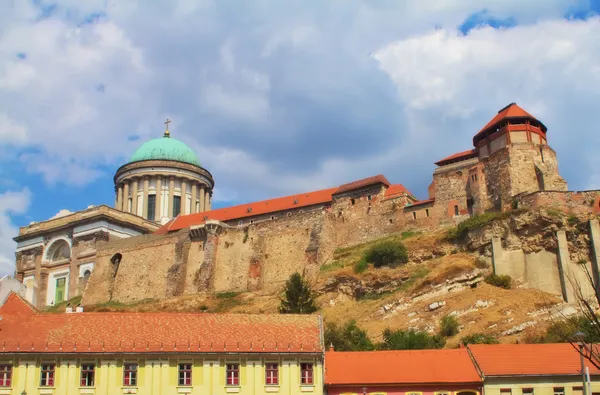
{"points": [[163, 239]]}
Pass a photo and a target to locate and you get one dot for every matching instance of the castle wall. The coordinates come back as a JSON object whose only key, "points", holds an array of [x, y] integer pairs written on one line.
{"points": [[576, 202]]}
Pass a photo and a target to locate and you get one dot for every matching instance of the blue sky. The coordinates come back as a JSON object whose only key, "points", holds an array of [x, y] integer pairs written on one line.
{"points": [[280, 97]]}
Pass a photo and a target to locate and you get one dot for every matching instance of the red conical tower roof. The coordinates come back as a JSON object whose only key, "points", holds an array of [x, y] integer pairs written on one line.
{"points": [[512, 111]]}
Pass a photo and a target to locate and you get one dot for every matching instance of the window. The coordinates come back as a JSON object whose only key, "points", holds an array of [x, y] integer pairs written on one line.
{"points": [[87, 375], [295, 201], [527, 391], [455, 210], [249, 210], [427, 212], [306, 371], [47, 377], [176, 205], [414, 215], [185, 374], [251, 221], [352, 201], [271, 374], [5, 375], [369, 197], [86, 275], [233, 374], [240, 222], [151, 207], [289, 214], [129, 204], [505, 391], [272, 217], [130, 374], [559, 390]]}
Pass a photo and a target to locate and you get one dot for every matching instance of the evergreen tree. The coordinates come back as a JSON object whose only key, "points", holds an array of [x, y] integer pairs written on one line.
{"points": [[410, 340], [298, 297]]}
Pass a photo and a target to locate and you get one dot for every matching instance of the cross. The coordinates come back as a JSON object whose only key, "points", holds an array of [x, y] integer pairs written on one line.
{"points": [[167, 122]]}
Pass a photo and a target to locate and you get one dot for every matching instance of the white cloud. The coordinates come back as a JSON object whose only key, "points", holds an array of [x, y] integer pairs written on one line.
{"points": [[12, 202]]}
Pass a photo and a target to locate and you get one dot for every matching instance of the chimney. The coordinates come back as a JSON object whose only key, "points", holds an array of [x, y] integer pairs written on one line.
{"points": [[331, 348], [79, 308], [69, 308]]}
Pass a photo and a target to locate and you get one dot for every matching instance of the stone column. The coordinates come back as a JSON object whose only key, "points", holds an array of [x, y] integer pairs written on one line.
{"points": [[134, 193], [146, 186], [207, 200], [202, 196], [126, 197], [158, 211], [119, 198], [171, 194], [194, 195], [184, 197]]}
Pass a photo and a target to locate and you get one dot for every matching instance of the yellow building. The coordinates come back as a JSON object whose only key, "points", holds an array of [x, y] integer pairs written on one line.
{"points": [[534, 369], [158, 353]]}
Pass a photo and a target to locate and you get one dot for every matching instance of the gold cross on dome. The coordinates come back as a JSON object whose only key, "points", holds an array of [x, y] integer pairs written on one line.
{"points": [[167, 122]]}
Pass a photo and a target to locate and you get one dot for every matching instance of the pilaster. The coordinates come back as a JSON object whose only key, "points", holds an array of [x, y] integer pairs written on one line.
{"points": [[194, 195], [126, 197], [146, 186], [158, 210], [202, 196], [119, 198], [184, 197], [134, 194], [171, 194]]}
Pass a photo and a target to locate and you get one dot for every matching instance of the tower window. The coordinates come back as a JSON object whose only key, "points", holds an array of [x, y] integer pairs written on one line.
{"points": [[456, 210], [176, 205], [151, 207], [352, 201], [369, 197], [414, 215], [427, 212]]}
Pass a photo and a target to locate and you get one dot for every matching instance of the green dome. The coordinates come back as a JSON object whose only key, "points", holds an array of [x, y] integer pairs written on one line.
{"points": [[165, 148]]}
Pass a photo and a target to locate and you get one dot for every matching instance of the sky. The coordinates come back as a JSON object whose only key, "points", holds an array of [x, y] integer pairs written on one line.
{"points": [[280, 97]]}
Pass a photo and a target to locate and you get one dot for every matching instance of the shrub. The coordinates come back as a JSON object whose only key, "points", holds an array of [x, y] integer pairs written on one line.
{"points": [[361, 266], [460, 231], [449, 326], [226, 295], [478, 338], [348, 337], [334, 265], [298, 297], [387, 253], [499, 280], [573, 220]]}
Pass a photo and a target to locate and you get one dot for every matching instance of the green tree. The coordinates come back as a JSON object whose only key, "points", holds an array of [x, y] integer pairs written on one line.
{"points": [[478, 338], [410, 340], [449, 326], [348, 337], [298, 297], [387, 253]]}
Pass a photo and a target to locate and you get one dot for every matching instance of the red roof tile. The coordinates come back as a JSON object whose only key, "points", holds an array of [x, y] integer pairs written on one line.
{"points": [[396, 190], [396, 367], [421, 202], [365, 182], [270, 206], [155, 332], [458, 156], [508, 112], [528, 359]]}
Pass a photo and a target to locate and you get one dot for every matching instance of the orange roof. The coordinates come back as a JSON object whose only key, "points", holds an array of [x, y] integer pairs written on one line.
{"points": [[24, 331], [365, 182], [421, 202], [528, 359], [397, 367], [458, 156], [322, 196], [395, 191], [508, 112]]}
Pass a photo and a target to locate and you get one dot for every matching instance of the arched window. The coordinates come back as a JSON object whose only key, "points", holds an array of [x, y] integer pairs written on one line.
{"points": [[59, 251], [86, 276], [456, 210], [116, 260]]}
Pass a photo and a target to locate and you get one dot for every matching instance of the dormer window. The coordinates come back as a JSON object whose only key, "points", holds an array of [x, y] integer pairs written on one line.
{"points": [[295, 201], [249, 210]]}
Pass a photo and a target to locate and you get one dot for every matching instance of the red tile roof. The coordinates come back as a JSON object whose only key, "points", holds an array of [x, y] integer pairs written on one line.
{"points": [[421, 202], [508, 112], [365, 182], [456, 157], [396, 367], [395, 190], [322, 197], [24, 331], [528, 359]]}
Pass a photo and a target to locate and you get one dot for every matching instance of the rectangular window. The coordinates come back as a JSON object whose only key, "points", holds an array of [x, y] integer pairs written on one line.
{"points": [[306, 371], [427, 212], [559, 391], [185, 374], [505, 391], [271, 374], [5, 375], [151, 207], [47, 377], [87, 375], [233, 374], [369, 197], [130, 374], [527, 391], [176, 205], [414, 215]]}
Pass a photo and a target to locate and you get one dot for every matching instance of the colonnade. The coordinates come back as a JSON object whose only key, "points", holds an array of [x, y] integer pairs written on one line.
{"points": [[201, 199]]}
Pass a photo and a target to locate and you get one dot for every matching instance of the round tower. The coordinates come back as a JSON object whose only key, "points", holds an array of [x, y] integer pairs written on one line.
{"points": [[163, 179]]}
